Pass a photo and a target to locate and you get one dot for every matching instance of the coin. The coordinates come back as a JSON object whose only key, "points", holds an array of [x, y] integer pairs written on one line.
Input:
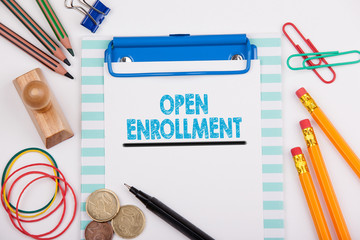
{"points": [[102, 205], [98, 231], [129, 222]]}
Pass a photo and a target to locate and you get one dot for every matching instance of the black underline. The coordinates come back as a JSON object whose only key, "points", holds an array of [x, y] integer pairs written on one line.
{"points": [[178, 144]]}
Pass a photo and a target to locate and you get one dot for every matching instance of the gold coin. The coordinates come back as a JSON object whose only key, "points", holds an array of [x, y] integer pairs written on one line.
{"points": [[129, 222], [102, 205]]}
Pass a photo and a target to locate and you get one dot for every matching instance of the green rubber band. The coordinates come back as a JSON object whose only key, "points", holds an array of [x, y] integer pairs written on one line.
{"points": [[7, 166]]}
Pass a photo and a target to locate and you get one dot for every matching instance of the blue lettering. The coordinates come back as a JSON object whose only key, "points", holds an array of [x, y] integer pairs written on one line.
{"points": [[200, 130], [142, 129], [179, 101], [237, 122], [189, 102], [162, 107], [155, 126], [187, 135], [200, 104], [162, 129], [130, 128], [227, 129], [177, 130], [213, 127]]}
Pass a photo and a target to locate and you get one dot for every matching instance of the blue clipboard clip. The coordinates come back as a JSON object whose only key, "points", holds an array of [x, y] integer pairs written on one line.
{"points": [[180, 47]]}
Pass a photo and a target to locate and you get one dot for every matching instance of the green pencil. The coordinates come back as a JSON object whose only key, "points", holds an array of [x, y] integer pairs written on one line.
{"points": [[55, 24], [35, 29]]}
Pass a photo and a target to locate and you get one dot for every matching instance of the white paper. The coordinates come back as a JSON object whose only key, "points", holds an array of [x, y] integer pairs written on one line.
{"points": [[216, 187]]}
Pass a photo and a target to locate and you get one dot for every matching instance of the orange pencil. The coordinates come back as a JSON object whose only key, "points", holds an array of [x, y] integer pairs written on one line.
{"points": [[35, 29], [310, 194], [330, 131], [324, 181], [33, 51]]}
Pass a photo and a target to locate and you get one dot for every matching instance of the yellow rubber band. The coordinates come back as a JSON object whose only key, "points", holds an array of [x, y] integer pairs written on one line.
{"points": [[7, 174]]}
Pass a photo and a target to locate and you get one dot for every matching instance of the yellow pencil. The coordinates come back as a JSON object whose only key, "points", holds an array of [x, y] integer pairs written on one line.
{"points": [[310, 194], [337, 140], [324, 180]]}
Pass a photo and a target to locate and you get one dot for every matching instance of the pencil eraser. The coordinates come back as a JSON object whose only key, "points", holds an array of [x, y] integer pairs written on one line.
{"points": [[301, 92], [296, 151], [305, 124]]}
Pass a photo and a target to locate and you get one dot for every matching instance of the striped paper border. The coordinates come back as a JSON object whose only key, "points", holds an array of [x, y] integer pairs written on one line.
{"points": [[92, 124]]}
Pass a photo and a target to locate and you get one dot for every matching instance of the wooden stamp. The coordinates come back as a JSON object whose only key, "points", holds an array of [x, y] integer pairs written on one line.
{"points": [[43, 108]]}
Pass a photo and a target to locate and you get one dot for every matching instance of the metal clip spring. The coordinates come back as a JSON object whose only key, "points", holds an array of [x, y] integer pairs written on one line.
{"points": [[81, 9]]}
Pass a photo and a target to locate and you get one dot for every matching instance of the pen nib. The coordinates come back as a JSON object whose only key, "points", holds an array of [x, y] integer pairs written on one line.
{"points": [[127, 186]]}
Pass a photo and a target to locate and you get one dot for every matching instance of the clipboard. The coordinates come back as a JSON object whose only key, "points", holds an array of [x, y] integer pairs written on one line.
{"points": [[172, 123], [180, 47], [93, 152]]}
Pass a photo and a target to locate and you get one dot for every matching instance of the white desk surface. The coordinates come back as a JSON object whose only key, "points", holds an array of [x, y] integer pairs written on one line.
{"points": [[330, 24]]}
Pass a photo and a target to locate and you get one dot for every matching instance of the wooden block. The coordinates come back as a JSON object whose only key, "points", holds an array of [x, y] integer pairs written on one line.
{"points": [[43, 108]]}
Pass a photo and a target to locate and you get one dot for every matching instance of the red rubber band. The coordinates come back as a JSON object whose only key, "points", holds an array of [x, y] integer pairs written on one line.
{"points": [[63, 192], [20, 228], [38, 236], [69, 224], [31, 165], [18, 201]]}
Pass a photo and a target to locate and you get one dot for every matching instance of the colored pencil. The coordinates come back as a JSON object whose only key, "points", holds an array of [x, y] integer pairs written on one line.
{"points": [[55, 24], [324, 180], [35, 29], [312, 199], [328, 128], [33, 51]]}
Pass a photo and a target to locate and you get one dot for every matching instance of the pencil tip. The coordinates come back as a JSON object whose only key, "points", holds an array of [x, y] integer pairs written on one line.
{"points": [[71, 52], [127, 186], [67, 62], [69, 75]]}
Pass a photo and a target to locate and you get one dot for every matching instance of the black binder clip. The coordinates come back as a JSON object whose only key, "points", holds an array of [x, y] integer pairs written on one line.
{"points": [[94, 17]]}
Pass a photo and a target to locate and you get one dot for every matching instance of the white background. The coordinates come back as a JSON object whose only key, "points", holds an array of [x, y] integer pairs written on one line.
{"points": [[331, 25]]}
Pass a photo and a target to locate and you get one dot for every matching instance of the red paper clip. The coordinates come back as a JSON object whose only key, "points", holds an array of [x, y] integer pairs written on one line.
{"points": [[312, 47]]}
